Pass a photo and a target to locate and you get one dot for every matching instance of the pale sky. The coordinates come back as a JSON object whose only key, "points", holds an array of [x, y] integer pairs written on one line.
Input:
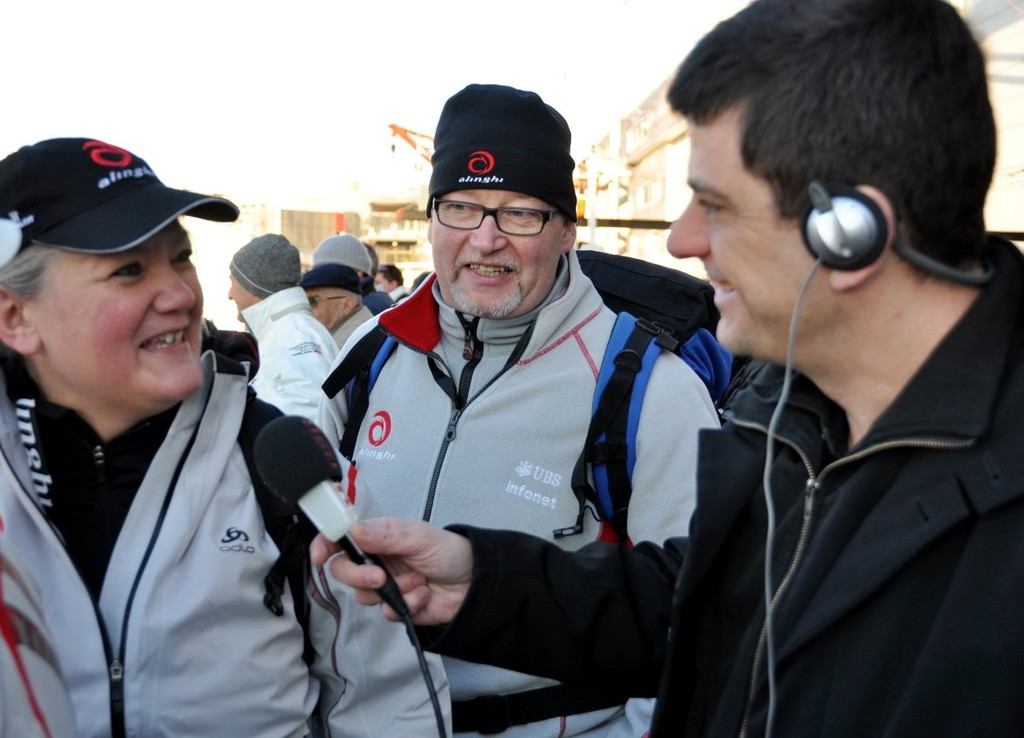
{"points": [[287, 103], [266, 100]]}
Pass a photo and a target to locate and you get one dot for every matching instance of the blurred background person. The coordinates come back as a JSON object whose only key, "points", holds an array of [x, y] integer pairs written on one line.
{"points": [[295, 350], [333, 293], [346, 249], [390, 281]]}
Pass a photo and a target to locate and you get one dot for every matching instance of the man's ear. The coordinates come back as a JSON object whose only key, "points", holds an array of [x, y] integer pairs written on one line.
{"points": [[843, 280], [568, 237], [885, 205], [16, 328]]}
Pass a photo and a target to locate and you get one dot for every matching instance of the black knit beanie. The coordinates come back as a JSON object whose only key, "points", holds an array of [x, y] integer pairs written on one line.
{"points": [[494, 137]]}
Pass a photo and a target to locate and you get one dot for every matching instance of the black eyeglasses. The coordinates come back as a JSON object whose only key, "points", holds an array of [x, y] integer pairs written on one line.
{"points": [[467, 216], [314, 300]]}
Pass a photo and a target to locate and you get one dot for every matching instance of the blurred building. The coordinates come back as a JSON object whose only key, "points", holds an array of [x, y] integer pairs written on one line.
{"points": [[632, 183]]}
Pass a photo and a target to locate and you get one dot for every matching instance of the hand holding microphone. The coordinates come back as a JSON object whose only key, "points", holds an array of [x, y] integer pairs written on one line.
{"points": [[300, 467]]}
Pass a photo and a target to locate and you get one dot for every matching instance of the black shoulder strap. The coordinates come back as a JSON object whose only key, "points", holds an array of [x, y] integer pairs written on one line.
{"points": [[355, 361], [290, 530], [356, 365]]}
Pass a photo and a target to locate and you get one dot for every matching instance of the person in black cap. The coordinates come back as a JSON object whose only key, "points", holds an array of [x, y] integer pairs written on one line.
{"points": [[492, 380], [333, 293], [125, 492], [346, 249]]}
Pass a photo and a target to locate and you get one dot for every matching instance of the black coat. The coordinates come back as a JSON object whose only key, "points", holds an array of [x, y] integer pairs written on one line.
{"points": [[903, 614]]}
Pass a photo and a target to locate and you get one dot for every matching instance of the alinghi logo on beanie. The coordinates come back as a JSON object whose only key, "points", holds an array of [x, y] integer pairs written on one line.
{"points": [[501, 138]]}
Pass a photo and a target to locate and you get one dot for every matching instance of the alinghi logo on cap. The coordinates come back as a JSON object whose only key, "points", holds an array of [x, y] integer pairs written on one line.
{"points": [[116, 158], [107, 155], [480, 162]]}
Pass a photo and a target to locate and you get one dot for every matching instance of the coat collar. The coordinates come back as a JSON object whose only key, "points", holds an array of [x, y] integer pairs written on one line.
{"points": [[953, 394], [890, 509], [262, 315]]}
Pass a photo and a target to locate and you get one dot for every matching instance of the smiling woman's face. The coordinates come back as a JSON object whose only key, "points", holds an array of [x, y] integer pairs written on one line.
{"points": [[116, 337]]}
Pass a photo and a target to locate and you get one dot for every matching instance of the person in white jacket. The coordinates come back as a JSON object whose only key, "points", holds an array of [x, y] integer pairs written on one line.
{"points": [[295, 349], [126, 493], [481, 412], [34, 701]]}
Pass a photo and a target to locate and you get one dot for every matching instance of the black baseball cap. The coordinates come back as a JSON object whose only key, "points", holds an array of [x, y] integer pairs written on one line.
{"points": [[331, 275], [81, 194]]}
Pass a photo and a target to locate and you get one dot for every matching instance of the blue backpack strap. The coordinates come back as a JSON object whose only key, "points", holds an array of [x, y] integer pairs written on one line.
{"points": [[610, 449], [710, 361]]}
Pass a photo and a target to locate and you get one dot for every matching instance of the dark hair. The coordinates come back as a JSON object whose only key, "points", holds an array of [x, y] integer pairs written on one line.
{"points": [[879, 92], [391, 273]]}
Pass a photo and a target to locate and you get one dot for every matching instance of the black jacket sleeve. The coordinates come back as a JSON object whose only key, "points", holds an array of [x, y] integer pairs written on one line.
{"points": [[597, 618]]}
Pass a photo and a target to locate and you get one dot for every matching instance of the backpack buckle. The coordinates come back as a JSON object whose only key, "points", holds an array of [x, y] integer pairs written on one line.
{"points": [[663, 337], [629, 359], [274, 590]]}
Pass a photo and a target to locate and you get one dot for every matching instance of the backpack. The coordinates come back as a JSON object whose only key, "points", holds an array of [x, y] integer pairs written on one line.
{"points": [[659, 309], [289, 529]]}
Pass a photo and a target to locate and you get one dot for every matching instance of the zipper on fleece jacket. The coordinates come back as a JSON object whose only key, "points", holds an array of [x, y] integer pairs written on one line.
{"points": [[813, 484], [459, 396], [115, 667], [473, 353]]}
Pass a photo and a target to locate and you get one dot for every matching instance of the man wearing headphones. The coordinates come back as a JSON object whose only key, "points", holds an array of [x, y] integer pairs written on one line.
{"points": [[855, 564]]}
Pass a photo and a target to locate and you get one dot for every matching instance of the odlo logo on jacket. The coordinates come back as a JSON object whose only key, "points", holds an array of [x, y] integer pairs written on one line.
{"points": [[236, 540]]}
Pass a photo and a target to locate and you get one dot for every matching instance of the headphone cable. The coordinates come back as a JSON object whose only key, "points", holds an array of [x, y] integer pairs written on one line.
{"points": [[769, 503]]}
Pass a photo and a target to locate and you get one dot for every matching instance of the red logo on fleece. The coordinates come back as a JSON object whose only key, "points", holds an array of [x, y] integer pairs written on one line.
{"points": [[480, 162], [380, 428]]}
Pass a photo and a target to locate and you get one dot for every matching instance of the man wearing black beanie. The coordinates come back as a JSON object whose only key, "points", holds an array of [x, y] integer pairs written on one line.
{"points": [[480, 412]]}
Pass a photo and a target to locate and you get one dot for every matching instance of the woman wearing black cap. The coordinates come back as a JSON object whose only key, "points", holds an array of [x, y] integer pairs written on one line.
{"points": [[123, 485]]}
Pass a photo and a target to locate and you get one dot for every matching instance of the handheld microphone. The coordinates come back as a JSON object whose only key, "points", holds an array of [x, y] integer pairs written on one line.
{"points": [[299, 466]]}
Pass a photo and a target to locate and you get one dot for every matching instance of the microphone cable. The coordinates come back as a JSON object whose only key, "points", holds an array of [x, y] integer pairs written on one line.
{"points": [[769, 543], [393, 596], [314, 488]]}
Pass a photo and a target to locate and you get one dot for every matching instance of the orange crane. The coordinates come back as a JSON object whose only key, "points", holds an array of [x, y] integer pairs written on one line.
{"points": [[421, 143]]}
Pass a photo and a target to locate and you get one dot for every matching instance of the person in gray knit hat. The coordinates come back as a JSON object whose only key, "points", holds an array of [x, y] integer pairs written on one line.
{"points": [[266, 265], [295, 350], [346, 249], [510, 329], [343, 248]]}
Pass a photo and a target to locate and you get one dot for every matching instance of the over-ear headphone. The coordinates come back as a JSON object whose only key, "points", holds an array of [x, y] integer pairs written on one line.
{"points": [[847, 230], [843, 227]]}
